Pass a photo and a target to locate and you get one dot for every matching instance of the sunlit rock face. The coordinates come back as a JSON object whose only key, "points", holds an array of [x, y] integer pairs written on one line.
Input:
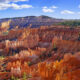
{"points": [[30, 42], [40, 53], [66, 69], [5, 24]]}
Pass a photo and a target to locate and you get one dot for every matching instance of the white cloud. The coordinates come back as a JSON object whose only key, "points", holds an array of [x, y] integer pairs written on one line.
{"points": [[54, 7], [49, 9], [67, 12], [26, 6], [4, 6], [46, 9], [7, 1], [14, 6], [79, 13], [79, 6]]}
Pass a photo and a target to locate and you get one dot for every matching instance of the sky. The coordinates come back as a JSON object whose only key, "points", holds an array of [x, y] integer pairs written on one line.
{"points": [[63, 9]]}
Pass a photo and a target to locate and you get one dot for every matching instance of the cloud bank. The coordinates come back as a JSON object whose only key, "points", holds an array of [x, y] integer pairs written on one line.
{"points": [[4, 6], [8, 1], [48, 9], [67, 12]]}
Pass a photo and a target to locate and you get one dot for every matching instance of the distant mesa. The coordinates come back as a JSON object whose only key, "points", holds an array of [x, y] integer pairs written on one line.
{"points": [[36, 21]]}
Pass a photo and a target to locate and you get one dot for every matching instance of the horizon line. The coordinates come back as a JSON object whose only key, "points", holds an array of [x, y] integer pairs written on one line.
{"points": [[37, 16]]}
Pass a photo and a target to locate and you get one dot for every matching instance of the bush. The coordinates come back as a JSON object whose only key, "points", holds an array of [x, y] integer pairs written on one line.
{"points": [[24, 76]]}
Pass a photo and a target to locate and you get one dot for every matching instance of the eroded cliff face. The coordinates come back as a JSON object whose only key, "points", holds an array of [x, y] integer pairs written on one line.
{"points": [[6, 24], [67, 68], [41, 37], [46, 53], [29, 42]]}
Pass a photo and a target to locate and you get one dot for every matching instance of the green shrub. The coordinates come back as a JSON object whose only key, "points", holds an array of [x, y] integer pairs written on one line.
{"points": [[24, 76], [12, 78], [29, 63]]}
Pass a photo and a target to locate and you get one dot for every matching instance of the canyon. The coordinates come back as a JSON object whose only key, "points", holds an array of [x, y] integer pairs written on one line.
{"points": [[46, 52]]}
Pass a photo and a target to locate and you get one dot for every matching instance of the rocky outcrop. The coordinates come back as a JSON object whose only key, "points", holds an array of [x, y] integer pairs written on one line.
{"points": [[35, 21]]}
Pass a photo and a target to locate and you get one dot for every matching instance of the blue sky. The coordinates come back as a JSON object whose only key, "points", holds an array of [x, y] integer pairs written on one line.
{"points": [[67, 9]]}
